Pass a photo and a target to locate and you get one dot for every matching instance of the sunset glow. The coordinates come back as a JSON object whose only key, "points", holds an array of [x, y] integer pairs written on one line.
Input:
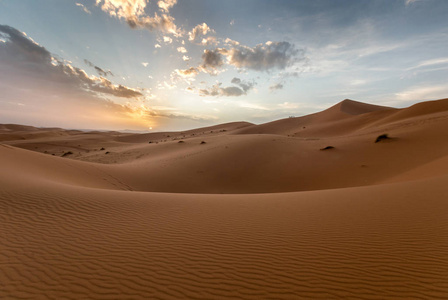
{"points": [[172, 65]]}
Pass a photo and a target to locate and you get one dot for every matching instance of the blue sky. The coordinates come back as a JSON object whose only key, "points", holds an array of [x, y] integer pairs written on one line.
{"points": [[173, 65]]}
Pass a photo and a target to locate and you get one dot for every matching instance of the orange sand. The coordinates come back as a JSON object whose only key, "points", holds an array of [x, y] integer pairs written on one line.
{"points": [[255, 212]]}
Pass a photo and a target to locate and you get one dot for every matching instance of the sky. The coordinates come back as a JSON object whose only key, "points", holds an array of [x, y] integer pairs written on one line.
{"points": [[160, 65]]}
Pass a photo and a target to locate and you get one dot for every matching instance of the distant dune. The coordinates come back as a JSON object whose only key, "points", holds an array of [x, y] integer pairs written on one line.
{"points": [[232, 211]]}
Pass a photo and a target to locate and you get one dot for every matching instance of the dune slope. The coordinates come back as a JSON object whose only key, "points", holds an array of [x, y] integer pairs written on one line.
{"points": [[386, 241], [227, 213]]}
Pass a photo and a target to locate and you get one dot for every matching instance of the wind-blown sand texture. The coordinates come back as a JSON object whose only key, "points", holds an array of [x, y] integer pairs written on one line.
{"points": [[255, 212]]}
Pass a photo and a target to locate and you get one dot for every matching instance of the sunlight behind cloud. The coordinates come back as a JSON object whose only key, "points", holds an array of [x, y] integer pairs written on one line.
{"points": [[291, 55]]}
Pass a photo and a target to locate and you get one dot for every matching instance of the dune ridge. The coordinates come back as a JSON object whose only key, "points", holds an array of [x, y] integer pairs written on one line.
{"points": [[235, 211]]}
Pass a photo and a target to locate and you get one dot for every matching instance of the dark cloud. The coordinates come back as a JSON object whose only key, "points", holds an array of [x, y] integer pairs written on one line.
{"points": [[100, 71], [107, 87], [244, 85], [236, 80], [213, 91], [18, 47], [28, 58], [232, 91], [264, 57], [277, 86], [212, 60]]}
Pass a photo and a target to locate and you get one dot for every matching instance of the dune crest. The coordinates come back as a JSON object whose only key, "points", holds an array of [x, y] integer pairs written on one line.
{"points": [[353, 107]]}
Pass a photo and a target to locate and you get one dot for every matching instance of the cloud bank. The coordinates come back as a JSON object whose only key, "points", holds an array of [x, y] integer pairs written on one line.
{"points": [[23, 55]]}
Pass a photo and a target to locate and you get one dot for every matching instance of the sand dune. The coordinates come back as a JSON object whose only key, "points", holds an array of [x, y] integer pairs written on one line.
{"points": [[162, 136], [319, 123], [234, 211]]}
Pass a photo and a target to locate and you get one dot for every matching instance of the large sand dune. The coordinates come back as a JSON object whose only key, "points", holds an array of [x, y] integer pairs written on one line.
{"points": [[232, 211]]}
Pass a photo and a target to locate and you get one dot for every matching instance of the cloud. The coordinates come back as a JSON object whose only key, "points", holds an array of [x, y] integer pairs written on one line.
{"points": [[213, 91], [241, 88], [212, 60], [133, 12], [275, 87], [100, 71], [244, 85], [421, 93], [27, 58], [409, 2], [165, 5], [157, 46], [181, 50], [191, 72], [145, 64], [236, 80], [231, 42], [264, 57], [104, 85], [167, 39], [210, 40], [185, 58], [431, 62], [18, 47], [197, 33], [164, 23], [84, 8], [231, 91], [123, 8]]}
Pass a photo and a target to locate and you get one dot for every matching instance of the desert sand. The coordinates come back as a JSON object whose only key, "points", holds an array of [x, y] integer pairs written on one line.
{"points": [[309, 207]]}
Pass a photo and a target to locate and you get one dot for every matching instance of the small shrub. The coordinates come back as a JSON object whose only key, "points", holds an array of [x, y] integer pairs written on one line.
{"points": [[382, 137], [327, 148], [67, 153], [103, 148], [203, 142], [180, 142]]}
